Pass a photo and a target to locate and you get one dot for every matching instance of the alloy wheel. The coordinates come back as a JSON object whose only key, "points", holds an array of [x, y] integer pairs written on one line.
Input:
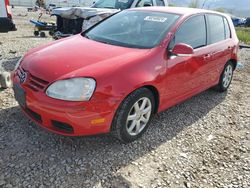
{"points": [[138, 116], [227, 77]]}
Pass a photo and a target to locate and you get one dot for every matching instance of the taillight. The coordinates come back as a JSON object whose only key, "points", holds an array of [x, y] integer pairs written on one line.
{"points": [[8, 8]]}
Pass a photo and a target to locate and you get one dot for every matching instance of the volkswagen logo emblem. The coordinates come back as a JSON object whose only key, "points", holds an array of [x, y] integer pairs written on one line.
{"points": [[22, 76]]}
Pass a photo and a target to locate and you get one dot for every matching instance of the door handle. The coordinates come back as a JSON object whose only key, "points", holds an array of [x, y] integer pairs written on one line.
{"points": [[207, 56]]}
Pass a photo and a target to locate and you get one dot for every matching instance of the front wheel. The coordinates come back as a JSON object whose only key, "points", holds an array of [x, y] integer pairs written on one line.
{"points": [[36, 33], [133, 116], [225, 78]]}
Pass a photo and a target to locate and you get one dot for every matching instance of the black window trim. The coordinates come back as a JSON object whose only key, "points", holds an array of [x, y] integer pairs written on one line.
{"points": [[230, 32]]}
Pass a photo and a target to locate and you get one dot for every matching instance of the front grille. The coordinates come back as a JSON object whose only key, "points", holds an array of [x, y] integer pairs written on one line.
{"points": [[33, 82], [63, 127]]}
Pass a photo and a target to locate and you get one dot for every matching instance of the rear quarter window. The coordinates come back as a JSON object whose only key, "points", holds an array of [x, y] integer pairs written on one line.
{"points": [[227, 29], [216, 28]]}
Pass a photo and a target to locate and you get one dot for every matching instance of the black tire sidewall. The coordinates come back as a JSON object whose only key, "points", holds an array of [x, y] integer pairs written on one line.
{"points": [[124, 109], [42, 34], [36, 33]]}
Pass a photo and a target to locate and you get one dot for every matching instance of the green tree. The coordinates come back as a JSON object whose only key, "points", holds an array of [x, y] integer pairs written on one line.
{"points": [[194, 4], [220, 10], [171, 5]]}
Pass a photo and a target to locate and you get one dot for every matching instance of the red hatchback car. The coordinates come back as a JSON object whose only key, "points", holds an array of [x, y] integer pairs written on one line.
{"points": [[117, 74]]}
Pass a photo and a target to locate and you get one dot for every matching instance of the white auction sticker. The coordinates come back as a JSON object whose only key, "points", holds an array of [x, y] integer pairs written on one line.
{"points": [[155, 19]]}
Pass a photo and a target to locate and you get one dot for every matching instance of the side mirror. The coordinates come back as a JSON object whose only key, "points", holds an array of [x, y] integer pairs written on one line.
{"points": [[147, 4], [182, 49]]}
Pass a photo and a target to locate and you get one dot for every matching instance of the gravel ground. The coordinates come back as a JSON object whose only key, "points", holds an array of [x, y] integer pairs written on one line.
{"points": [[203, 142]]}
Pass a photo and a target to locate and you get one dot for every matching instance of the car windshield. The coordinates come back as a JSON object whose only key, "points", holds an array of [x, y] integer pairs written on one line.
{"points": [[113, 4], [133, 29]]}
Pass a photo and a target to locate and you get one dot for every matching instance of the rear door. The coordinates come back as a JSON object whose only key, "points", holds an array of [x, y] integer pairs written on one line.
{"points": [[220, 45]]}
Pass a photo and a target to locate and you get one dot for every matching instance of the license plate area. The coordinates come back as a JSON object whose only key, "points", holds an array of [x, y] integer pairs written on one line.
{"points": [[20, 95]]}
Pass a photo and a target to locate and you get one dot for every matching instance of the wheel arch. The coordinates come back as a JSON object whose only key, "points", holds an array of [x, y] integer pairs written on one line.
{"points": [[155, 92], [234, 61], [152, 89]]}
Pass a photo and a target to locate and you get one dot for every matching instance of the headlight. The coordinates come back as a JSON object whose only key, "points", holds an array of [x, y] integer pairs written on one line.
{"points": [[74, 89], [18, 63]]}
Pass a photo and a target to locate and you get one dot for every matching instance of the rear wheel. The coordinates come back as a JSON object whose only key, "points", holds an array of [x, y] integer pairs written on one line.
{"points": [[225, 78], [42, 34], [133, 116]]}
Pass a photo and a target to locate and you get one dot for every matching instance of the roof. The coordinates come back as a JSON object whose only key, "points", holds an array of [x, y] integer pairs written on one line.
{"points": [[177, 10]]}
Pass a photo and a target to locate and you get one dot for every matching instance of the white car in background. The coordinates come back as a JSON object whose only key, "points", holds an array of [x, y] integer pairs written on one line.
{"points": [[6, 23], [73, 20]]}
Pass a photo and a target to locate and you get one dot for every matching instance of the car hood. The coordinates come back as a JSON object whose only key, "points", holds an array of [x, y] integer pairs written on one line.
{"points": [[77, 56], [82, 12]]}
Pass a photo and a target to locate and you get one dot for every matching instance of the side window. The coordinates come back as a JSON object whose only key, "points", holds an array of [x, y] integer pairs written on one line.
{"points": [[216, 28], [227, 29], [192, 32], [160, 3], [141, 3]]}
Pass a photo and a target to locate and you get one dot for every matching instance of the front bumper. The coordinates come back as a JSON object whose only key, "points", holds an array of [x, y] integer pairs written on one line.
{"points": [[63, 117]]}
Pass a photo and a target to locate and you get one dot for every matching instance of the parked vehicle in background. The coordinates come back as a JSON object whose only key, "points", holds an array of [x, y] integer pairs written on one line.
{"points": [[50, 7], [116, 75], [239, 22], [74, 20], [6, 23], [247, 24]]}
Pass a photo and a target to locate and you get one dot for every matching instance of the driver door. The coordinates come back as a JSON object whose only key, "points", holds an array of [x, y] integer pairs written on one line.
{"points": [[184, 74]]}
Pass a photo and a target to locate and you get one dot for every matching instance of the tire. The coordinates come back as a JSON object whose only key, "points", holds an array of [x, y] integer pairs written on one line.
{"points": [[36, 33], [225, 78], [42, 34], [5, 80], [129, 130], [51, 33]]}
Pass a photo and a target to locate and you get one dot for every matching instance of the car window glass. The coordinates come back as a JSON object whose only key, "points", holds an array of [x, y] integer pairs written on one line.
{"points": [[135, 29], [160, 3], [216, 28], [227, 29], [141, 3], [191, 32]]}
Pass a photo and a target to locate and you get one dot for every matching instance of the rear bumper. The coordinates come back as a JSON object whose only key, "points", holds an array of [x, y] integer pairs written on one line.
{"points": [[6, 24]]}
